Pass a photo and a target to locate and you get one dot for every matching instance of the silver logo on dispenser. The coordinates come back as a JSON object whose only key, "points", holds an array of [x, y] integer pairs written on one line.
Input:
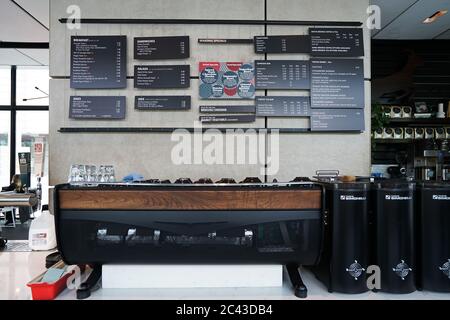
{"points": [[446, 268], [355, 270], [402, 269]]}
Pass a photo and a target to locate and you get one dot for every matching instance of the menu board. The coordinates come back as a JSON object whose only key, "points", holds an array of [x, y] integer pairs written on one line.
{"points": [[154, 48], [337, 120], [224, 41], [283, 106], [228, 109], [337, 42], [282, 74], [161, 76], [226, 80], [282, 44], [97, 107], [337, 83], [228, 119], [98, 62], [162, 102]]}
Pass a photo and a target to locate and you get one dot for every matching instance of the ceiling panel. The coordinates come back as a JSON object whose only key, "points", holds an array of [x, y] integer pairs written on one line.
{"points": [[390, 10], [41, 56], [444, 36], [409, 25], [17, 26], [10, 57], [38, 8]]}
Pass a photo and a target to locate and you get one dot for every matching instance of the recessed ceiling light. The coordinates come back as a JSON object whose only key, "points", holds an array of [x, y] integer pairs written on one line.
{"points": [[435, 16]]}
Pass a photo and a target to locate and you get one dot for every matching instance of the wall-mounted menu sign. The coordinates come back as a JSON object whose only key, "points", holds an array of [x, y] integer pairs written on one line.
{"points": [[224, 41], [162, 102], [228, 109], [337, 83], [153, 48], [98, 62], [282, 74], [228, 119], [97, 107], [337, 42], [283, 106], [226, 80], [161, 76], [282, 44], [337, 120]]}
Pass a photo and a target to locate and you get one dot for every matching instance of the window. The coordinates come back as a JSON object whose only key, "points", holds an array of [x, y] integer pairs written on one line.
{"points": [[5, 136], [32, 86], [32, 136], [24, 107], [5, 86]]}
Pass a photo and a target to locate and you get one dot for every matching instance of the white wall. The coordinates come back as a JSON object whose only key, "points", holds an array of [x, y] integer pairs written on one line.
{"points": [[149, 154]]}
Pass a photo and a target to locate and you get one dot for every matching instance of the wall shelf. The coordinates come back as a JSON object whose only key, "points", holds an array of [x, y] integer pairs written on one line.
{"points": [[213, 21], [403, 141], [414, 121], [170, 130]]}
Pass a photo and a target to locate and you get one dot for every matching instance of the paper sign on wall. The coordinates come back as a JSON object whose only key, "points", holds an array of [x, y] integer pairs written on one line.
{"points": [[226, 80]]}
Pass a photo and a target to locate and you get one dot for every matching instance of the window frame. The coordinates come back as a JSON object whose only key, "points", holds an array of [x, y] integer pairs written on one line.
{"points": [[13, 108]]}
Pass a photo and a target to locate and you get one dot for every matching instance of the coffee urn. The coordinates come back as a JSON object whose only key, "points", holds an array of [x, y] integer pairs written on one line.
{"points": [[345, 256], [394, 236], [434, 234]]}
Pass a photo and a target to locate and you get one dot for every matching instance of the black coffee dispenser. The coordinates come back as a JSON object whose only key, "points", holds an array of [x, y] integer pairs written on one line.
{"points": [[394, 236], [345, 256], [434, 244]]}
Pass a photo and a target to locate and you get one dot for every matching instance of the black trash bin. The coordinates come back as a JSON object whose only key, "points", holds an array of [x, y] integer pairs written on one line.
{"points": [[344, 260], [434, 215], [395, 236]]}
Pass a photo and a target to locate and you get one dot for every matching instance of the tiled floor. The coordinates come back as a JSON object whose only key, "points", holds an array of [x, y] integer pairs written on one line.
{"points": [[17, 268]]}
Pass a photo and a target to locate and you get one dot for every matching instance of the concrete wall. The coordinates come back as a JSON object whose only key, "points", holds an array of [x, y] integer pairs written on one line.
{"points": [[150, 154]]}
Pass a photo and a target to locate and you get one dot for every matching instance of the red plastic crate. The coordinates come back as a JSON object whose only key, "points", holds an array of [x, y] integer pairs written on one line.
{"points": [[45, 290]]}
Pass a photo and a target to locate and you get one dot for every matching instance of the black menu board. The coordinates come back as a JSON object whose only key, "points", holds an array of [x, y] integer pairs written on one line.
{"points": [[337, 120], [337, 83], [162, 102], [283, 106], [337, 42], [228, 109], [161, 76], [228, 119], [154, 48], [282, 74], [97, 107], [282, 44], [98, 62]]}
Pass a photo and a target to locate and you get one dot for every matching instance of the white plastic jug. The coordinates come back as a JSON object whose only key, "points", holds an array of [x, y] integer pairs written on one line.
{"points": [[42, 234]]}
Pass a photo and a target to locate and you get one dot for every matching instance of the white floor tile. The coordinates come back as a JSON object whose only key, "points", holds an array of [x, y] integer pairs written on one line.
{"points": [[17, 268]]}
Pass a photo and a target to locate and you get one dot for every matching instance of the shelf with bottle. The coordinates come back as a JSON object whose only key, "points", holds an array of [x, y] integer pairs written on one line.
{"points": [[421, 115]]}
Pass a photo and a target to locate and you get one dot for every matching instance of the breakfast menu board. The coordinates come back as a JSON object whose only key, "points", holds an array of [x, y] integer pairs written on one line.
{"points": [[283, 106], [98, 62], [337, 83], [226, 80], [161, 76], [337, 120], [282, 44], [97, 107], [337, 42], [154, 48], [162, 103], [282, 74]]}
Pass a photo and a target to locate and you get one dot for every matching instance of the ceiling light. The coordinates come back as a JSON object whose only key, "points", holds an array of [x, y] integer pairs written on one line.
{"points": [[435, 16]]}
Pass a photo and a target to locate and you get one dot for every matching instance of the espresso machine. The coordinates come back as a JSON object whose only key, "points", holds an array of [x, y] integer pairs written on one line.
{"points": [[433, 163]]}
